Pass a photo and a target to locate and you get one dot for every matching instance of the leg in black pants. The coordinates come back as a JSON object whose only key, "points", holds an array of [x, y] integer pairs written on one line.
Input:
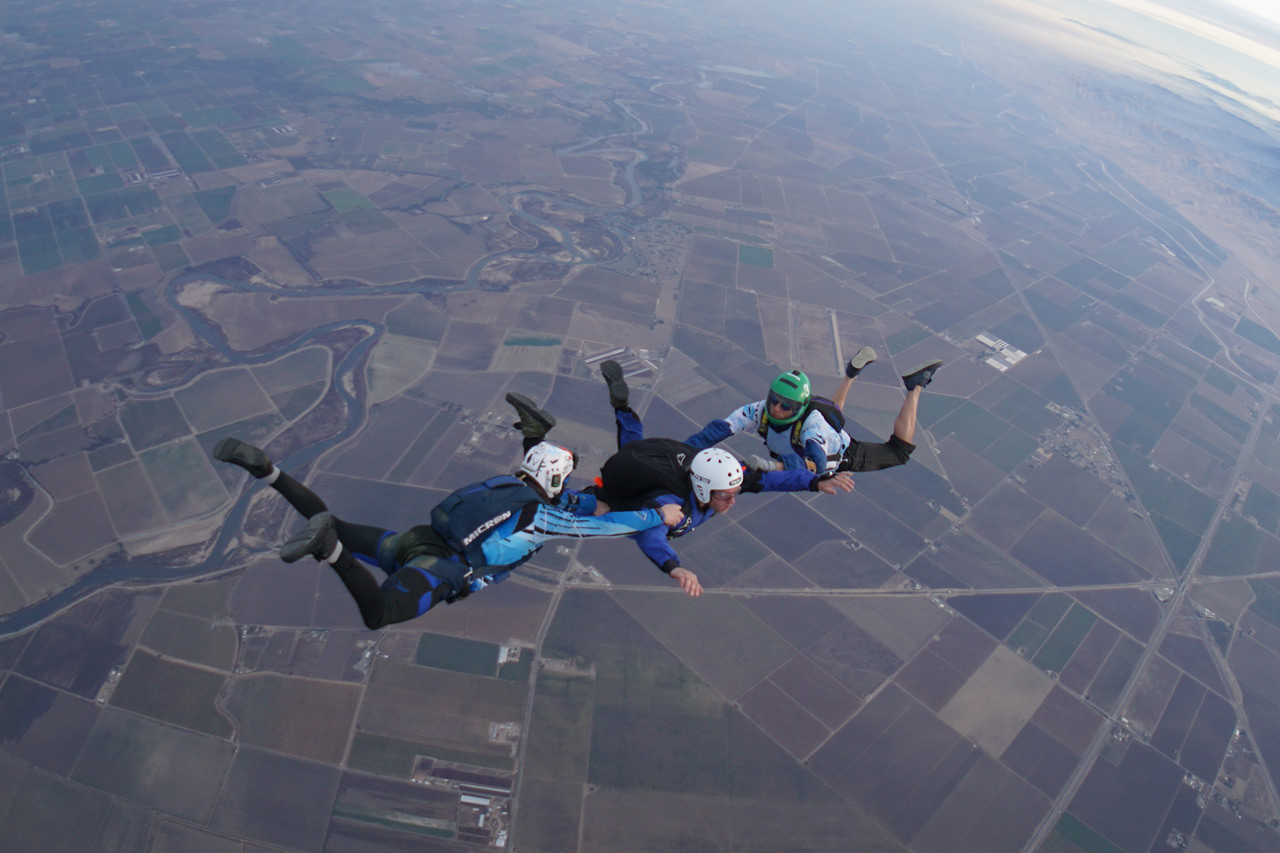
{"points": [[409, 590]]}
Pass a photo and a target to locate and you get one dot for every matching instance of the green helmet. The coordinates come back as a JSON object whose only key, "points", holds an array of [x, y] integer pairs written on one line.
{"points": [[792, 388]]}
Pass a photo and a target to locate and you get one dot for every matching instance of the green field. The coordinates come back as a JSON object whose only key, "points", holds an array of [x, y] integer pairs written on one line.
{"points": [[518, 339], [298, 368], [1218, 378], [908, 337], [223, 154], [518, 670], [148, 323], [170, 257], [180, 474], [1264, 505], [1267, 604], [383, 756], [1065, 639], [121, 204], [755, 256], [162, 236], [216, 204], [971, 426], [1084, 838], [457, 655], [348, 199], [100, 183], [189, 156], [1236, 427], [1027, 638]]}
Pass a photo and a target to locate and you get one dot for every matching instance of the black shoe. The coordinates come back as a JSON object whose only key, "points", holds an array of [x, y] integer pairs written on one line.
{"points": [[921, 375], [864, 356], [317, 539], [619, 393], [534, 422], [250, 458]]}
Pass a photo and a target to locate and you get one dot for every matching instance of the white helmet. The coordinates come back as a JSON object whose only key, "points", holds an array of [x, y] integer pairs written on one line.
{"points": [[714, 469], [548, 465]]}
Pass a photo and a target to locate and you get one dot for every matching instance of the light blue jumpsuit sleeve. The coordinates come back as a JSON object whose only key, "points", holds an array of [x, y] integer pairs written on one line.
{"points": [[578, 503], [508, 545]]}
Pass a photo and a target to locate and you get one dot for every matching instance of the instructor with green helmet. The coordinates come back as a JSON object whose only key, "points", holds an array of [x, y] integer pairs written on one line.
{"points": [[801, 430]]}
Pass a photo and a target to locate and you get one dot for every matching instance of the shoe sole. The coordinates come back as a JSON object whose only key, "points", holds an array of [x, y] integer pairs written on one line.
{"points": [[933, 363], [308, 539], [524, 406], [864, 356], [612, 373], [236, 452]]}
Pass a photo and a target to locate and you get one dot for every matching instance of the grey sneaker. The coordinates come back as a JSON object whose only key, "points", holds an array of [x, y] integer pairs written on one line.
{"points": [[921, 375], [864, 356], [619, 393], [252, 459], [534, 422], [317, 539]]}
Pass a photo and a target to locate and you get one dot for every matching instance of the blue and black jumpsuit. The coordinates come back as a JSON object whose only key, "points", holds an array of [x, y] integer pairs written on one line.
{"points": [[423, 570]]}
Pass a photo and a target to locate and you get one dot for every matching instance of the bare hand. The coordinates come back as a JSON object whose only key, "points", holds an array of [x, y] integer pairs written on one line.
{"points": [[601, 508], [842, 482], [688, 581], [671, 514]]}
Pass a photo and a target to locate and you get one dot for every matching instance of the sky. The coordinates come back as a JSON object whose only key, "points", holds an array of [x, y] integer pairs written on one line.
{"points": [[1266, 9], [1220, 45]]}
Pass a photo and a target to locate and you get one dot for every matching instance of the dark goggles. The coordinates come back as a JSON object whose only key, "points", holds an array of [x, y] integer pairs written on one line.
{"points": [[783, 403]]}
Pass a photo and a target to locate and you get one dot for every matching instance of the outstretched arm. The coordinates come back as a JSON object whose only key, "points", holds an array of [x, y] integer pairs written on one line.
{"points": [[718, 430], [711, 434], [657, 548], [796, 481], [549, 521]]}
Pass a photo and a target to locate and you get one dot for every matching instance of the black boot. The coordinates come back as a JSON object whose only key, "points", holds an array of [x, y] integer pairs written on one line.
{"points": [[318, 539], [854, 366], [921, 375], [534, 422], [250, 458], [619, 393]]}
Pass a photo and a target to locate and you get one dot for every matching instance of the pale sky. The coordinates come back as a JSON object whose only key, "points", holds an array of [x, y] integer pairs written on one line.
{"points": [[1205, 40], [1268, 9]]}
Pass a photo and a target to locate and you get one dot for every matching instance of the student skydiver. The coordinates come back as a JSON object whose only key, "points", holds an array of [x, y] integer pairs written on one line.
{"points": [[476, 535]]}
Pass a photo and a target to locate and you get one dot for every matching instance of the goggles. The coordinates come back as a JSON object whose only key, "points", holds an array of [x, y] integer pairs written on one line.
{"points": [[783, 403], [725, 494]]}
